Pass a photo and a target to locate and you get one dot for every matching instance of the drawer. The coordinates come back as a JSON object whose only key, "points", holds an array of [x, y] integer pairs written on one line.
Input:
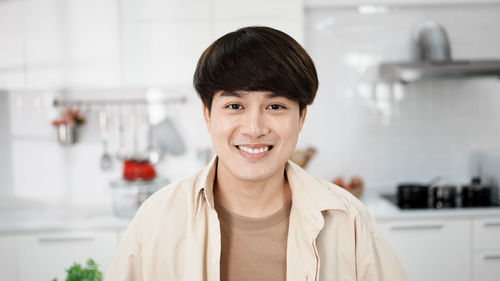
{"points": [[47, 255], [486, 233], [432, 250], [486, 266]]}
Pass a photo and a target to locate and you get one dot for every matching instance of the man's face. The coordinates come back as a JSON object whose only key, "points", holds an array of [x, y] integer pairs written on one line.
{"points": [[253, 133]]}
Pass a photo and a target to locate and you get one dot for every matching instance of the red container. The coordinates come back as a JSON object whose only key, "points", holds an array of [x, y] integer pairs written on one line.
{"points": [[138, 170]]}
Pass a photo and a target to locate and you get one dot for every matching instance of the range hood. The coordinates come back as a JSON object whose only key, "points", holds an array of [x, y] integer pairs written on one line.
{"points": [[433, 59]]}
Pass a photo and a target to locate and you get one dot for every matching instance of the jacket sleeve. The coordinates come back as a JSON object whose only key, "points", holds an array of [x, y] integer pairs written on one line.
{"points": [[376, 261], [127, 263]]}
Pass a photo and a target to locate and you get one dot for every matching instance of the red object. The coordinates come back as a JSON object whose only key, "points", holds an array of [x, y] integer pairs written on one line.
{"points": [[138, 170], [60, 122]]}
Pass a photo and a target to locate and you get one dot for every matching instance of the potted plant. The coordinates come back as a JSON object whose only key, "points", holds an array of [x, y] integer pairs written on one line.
{"points": [[78, 273]]}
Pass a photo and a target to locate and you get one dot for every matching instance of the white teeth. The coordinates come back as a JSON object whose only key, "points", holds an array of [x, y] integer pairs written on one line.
{"points": [[256, 150]]}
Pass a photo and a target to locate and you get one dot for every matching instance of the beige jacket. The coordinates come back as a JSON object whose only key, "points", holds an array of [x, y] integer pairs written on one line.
{"points": [[175, 235]]}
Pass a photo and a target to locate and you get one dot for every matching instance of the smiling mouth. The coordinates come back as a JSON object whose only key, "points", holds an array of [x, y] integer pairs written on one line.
{"points": [[254, 150]]}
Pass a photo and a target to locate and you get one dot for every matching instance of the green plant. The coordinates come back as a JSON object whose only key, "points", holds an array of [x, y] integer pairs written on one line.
{"points": [[78, 273]]}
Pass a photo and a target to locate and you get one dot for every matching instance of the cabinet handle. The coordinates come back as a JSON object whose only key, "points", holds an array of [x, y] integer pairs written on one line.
{"points": [[417, 226], [62, 238], [491, 257], [492, 223]]}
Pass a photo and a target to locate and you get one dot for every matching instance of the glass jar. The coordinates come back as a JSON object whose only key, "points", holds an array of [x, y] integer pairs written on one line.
{"points": [[127, 196]]}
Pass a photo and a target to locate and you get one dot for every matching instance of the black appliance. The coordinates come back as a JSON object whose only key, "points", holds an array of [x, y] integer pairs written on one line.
{"points": [[444, 196], [423, 196], [412, 195]]}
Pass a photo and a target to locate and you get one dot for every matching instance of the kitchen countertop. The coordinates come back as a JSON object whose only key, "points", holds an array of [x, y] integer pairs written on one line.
{"points": [[18, 216], [384, 210], [22, 216]]}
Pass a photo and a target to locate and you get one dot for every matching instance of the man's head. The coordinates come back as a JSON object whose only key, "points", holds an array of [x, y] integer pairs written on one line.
{"points": [[256, 59], [255, 84]]}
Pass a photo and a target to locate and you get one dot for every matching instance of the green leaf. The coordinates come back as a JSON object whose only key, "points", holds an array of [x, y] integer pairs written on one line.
{"points": [[78, 273]]}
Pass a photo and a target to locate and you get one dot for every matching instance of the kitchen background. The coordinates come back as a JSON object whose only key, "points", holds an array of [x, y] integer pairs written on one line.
{"points": [[113, 50]]}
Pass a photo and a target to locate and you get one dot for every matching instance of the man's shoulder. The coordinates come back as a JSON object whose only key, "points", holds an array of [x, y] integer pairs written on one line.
{"points": [[353, 210], [325, 194], [174, 197], [351, 203]]}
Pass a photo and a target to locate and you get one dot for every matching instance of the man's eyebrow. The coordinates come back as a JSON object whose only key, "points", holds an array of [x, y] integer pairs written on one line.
{"points": [[271, 95], [232, 94], [243, 94]]}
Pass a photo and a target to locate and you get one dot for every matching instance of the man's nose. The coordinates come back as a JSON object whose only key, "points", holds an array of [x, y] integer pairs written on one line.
{"points": [[254, 124]]}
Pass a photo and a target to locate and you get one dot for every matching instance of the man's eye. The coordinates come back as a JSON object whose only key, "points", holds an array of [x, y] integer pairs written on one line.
{"points": [[276, 106], [234, 106]]}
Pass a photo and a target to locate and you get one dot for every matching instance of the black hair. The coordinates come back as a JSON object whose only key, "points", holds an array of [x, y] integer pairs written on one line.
{"points": [[256, 58]]}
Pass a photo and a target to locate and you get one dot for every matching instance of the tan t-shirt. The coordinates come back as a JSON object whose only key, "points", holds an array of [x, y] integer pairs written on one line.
{"points": [[253, 249]]}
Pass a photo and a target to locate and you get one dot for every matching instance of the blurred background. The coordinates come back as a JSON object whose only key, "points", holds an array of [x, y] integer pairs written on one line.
{"points": [[97, 111]]}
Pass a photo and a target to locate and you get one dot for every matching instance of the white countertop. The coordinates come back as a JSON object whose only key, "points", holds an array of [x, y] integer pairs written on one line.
{"points": [[24, 216], [21, 216], [384, 210]]}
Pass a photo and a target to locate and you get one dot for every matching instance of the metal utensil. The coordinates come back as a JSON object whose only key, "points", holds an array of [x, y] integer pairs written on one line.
{"points": [[152, 154], [122, 151], [106, 160], [168, 139]]}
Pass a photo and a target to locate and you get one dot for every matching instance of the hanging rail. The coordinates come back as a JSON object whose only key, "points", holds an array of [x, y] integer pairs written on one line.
{"points": [[104, 102]]}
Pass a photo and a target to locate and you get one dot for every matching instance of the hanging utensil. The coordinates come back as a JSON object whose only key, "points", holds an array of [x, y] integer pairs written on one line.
{"points": [[134, 133], [122, 151], [168, 139], [152, 154], [106, 160]]}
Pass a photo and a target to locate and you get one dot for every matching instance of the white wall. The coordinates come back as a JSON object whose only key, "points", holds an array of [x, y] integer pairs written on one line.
{"points": [[410, 132], [6, 187], [383, 134], [46, 45]]}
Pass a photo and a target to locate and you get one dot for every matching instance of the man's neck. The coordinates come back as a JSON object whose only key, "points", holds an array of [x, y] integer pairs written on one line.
{"points": [[251, 198]]}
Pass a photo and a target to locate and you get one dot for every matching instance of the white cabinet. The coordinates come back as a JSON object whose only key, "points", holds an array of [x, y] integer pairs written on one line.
{"points": [[486, 246], [432, 250], [47, 255], [486, 266], [7, 261], [487, 233]]}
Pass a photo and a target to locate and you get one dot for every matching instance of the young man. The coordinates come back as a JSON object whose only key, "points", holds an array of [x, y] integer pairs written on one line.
{"points": [[252, 214]]}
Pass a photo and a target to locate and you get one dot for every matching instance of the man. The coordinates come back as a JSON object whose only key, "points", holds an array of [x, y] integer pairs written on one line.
{"points": [[252, 214]]}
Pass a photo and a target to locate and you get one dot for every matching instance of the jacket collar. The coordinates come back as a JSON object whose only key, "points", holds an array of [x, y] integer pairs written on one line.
{"points": [[205, 185], [316, 193], [310, 195]]}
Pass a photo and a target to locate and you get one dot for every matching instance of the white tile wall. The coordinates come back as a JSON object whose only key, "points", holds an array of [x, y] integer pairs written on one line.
{"points": [[6, 186], [92, 43], [162, 53], [44, 23], [173, 10], [31, 113], [45, 77], [11, 41], [410, 133], [12, 79], [257, 9], [40, 170], [384, 134]]}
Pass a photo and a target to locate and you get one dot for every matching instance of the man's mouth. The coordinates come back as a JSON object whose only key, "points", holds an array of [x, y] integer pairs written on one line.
{"points": [[254, 149]]}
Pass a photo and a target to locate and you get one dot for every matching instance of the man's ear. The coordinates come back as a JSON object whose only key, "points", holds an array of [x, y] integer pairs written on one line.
{"points": [[302, 119], [206, 116]]}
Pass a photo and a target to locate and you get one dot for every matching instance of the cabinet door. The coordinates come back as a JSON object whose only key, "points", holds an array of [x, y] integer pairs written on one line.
{"points": [[46, 256], [432, 250], [7, 258], [486, 266], [487, 233]]}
